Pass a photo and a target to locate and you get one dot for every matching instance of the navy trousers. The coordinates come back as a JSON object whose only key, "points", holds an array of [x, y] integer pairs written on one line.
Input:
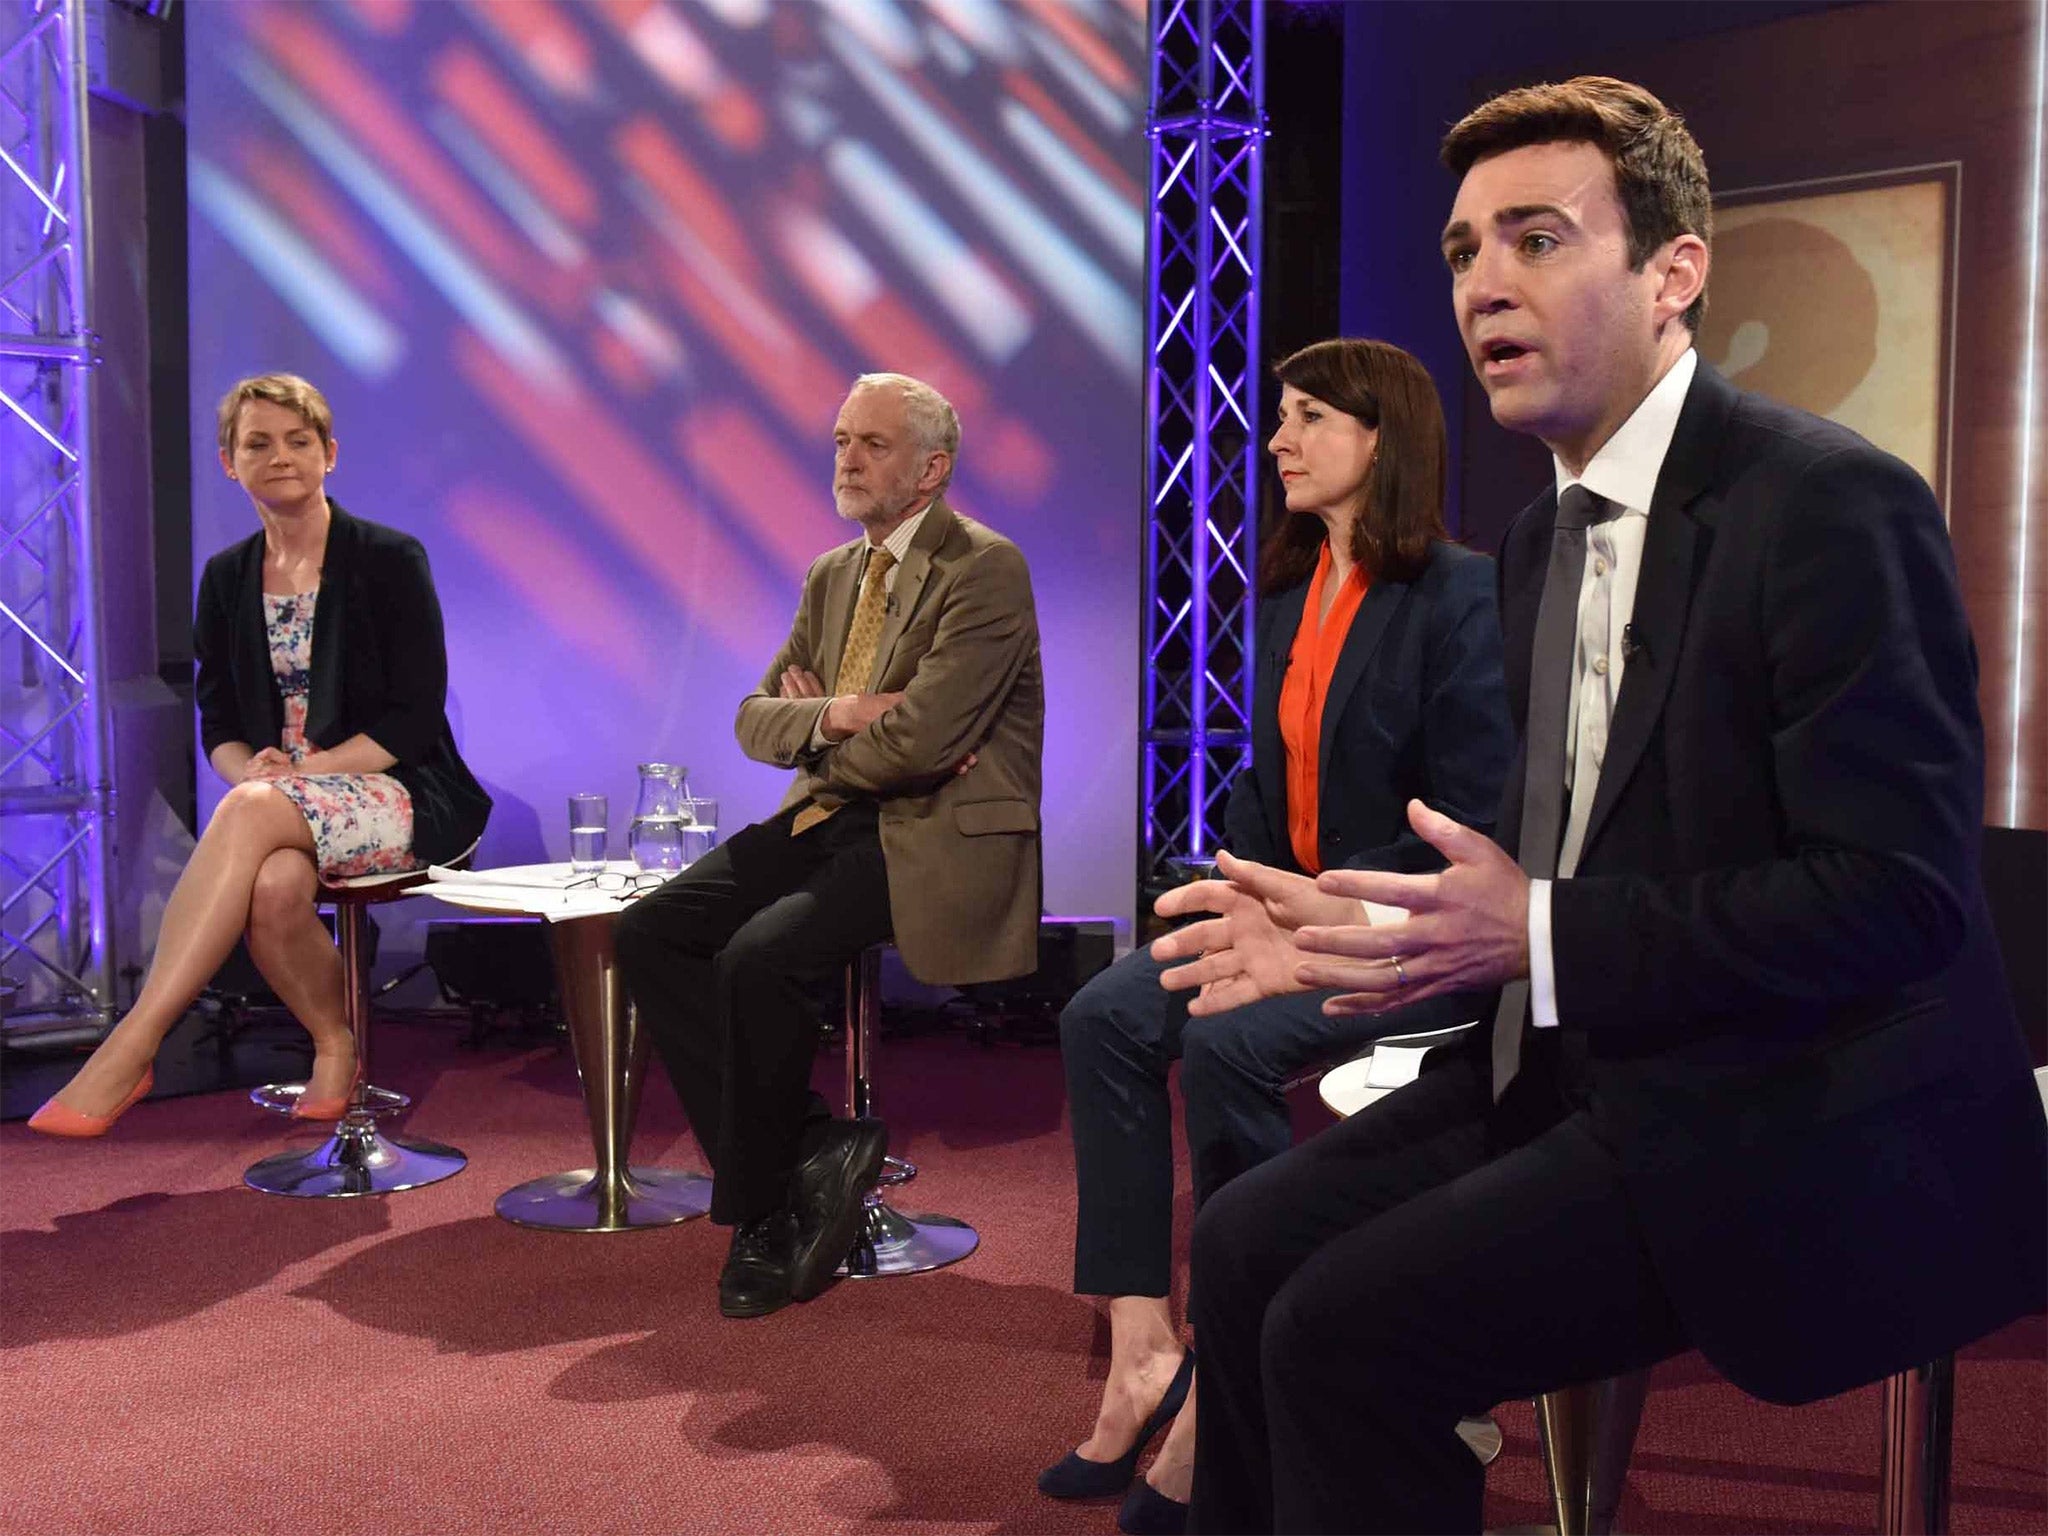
{"points": [[1119, 1036], [1433, 1255]]}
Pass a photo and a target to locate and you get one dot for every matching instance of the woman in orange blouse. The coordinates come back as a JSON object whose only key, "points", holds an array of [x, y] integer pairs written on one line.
{"points": [[1378, 680]]}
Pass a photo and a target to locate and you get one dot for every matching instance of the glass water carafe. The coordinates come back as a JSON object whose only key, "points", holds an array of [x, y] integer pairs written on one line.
{"points": [[658, 817]]}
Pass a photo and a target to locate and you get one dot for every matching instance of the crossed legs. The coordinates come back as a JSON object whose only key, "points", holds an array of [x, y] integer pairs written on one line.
{"points": [[253, 869]]}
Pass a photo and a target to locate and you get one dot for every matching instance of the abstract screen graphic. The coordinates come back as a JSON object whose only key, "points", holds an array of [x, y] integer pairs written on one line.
{"points": [[586, 284]]}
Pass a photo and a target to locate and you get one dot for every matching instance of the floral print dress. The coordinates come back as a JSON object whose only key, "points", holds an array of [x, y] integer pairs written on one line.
{"points": [[361, 822]]}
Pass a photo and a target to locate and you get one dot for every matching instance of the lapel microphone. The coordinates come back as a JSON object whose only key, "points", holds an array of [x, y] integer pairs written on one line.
{"points": [[1632, 644]]}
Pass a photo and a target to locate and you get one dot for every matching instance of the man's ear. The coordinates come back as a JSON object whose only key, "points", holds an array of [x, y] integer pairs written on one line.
{"points": [[936, 468], [1684, 265]]}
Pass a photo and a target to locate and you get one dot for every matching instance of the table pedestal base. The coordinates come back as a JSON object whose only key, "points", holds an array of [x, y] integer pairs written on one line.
{"points": [[579, 1201]]}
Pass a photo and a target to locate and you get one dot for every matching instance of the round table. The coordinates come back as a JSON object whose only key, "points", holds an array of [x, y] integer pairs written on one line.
{"points": [[610, 1047]]}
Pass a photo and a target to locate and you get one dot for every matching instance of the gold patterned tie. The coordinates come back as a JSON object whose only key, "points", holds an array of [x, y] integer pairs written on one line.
{"points": [[857, 661]]}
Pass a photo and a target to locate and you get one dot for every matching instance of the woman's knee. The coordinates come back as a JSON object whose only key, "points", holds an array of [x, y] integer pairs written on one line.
{"points": [[253, 809], [1123, 1003], [283, 893], [1225, 1048]]}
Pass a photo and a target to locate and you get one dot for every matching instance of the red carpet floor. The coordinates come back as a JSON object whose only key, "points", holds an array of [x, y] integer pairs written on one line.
{"points": [[180, 1355]]}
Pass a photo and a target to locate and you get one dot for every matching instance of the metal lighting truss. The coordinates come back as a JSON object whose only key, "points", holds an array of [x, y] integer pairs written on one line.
{"points": [[1207, 128], [55, 798]]}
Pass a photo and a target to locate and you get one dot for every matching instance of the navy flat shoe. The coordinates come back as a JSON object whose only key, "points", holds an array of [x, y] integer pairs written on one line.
{"points": [[1074, 1476], [1148, 1512]]}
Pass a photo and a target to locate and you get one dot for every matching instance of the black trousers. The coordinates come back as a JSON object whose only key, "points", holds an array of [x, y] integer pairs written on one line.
{"points": [[1433, 1255], [1119, 1037], [724, 963]]}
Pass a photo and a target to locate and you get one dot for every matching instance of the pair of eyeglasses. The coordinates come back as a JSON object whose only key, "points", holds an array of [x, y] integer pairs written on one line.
{"points": [[616, 882]]}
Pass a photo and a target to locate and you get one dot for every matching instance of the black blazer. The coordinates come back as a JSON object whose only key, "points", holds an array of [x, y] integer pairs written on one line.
{"points": [[1416, 710], [380, 668], [1776, 979]]}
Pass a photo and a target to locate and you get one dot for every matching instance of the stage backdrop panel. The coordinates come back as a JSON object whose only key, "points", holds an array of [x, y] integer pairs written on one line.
{"points": [[586, 284]]}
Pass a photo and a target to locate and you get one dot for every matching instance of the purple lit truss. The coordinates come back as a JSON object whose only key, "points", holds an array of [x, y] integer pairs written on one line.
{"points": [[55, 827], [1207, 129]]}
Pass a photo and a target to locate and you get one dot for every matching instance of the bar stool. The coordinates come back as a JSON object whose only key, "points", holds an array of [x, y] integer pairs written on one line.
{"points": [[890, 1243], [357, 1159], [1588, 1432]]}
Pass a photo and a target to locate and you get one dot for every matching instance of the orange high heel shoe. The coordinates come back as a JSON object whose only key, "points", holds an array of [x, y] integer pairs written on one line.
{"points": [[327, 1109], [55, 1119]]}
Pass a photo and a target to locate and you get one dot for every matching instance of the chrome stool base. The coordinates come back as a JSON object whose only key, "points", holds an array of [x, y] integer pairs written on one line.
{"points": [[891, 1243], [579, 1201], [280, 1098], [355, 1160], [1482, 1437]]}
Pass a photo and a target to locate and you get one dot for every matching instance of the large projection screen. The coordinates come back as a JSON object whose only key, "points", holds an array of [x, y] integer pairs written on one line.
{"points": [[586, 283]]}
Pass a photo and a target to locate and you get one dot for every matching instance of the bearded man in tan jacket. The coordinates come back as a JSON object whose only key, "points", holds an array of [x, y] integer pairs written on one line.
{"points": [[909, 699]]}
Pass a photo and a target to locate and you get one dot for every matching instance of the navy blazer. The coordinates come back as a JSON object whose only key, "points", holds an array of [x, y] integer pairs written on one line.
{"points": [[380, 668], [1416, 710], [1776, 978]]}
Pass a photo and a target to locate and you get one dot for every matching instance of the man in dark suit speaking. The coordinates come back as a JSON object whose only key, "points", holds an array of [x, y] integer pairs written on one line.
{"points": [[1754, 1084]]}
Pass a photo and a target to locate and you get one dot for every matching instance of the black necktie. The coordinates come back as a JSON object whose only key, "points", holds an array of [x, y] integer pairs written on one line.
{"points": [[1551, 660]]}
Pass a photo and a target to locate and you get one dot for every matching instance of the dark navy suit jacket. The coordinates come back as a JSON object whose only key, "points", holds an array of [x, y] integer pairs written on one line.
{"points": [[1416, 710], [1776, 980]]}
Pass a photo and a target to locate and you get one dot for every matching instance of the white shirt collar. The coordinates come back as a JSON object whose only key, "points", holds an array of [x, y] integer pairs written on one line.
{"points": [[898, 542], [1625, 469]]}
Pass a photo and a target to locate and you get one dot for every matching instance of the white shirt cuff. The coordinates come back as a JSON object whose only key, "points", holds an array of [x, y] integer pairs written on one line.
{"points": [[819, 740], [1542, 976]]}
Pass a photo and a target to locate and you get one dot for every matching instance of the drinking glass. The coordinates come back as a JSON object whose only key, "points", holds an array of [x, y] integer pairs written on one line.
{"points": [[588, 817], [700, 827]]}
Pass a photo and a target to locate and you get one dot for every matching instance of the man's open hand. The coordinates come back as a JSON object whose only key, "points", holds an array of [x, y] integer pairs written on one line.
{"points": [[1247, 950], [1467, 928]]}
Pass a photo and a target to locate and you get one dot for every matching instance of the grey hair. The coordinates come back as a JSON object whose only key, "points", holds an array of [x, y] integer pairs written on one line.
{"points": [[933, 421]]}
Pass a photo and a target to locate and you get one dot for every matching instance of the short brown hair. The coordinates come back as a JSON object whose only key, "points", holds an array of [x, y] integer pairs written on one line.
{"points": [[1403, 514], [285, 389], [1659, 173]]}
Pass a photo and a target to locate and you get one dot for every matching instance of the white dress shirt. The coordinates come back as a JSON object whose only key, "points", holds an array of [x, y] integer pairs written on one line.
{"points": [[1623, 472], [898, 545]]}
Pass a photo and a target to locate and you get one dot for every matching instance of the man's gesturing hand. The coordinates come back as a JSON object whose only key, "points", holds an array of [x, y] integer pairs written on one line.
{"points": [[1467, 927], [1247, 950]]}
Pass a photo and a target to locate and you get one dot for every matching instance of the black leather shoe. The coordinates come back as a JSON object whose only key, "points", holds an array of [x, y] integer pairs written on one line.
{"points": [[1074, 1476], [1148, 1512], [827, 1191], [755, 1280]]}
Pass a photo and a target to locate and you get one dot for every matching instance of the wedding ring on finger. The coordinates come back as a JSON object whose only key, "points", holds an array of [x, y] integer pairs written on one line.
{"points": [[1400, 976]]}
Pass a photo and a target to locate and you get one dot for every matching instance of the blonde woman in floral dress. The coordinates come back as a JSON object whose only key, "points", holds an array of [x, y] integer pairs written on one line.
{"points": [[321, 690]]}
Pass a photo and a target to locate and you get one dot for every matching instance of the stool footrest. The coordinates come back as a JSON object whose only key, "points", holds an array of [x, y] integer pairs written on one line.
{"points": [[279, 1098]]}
